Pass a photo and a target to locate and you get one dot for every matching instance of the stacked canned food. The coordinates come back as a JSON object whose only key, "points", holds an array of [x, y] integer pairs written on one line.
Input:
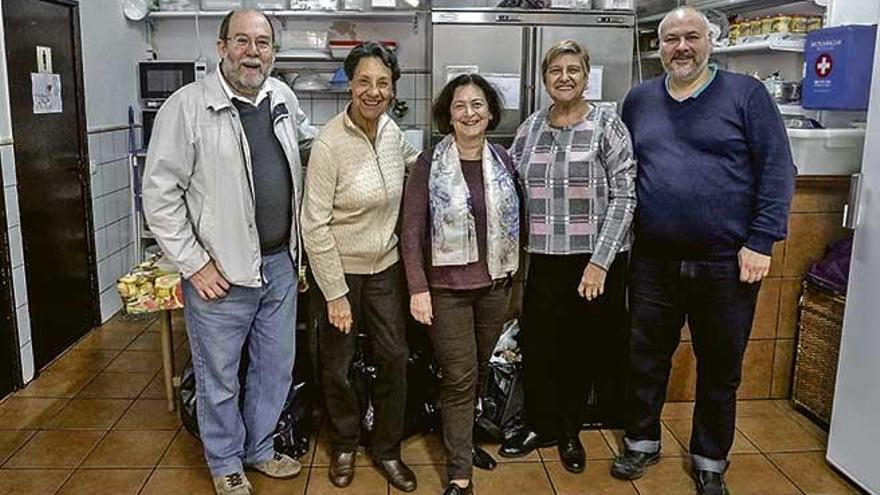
{"points": [[743, 28]]}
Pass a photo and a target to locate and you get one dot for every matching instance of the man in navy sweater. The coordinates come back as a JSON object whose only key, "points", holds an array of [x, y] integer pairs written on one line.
{"points": [[714, 185]]}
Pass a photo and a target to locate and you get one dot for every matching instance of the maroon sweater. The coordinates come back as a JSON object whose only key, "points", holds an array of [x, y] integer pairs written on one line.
{"points": [[415, 241]]}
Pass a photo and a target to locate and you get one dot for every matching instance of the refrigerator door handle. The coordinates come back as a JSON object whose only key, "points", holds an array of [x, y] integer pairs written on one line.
{"points": [[851, 208], [528, 82]]}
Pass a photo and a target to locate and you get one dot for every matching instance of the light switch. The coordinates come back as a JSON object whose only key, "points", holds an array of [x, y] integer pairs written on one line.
{"points": [[44, 60]]}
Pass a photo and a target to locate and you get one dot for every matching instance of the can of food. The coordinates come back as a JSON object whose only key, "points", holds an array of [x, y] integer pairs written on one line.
{"points": [[782, 24], [733, 33], [745, 28], [814, 23], [767, 25], [799, 24]]}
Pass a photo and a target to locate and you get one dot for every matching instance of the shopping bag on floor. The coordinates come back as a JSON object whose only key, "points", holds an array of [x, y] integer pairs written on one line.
{"points": [[502, 398]]}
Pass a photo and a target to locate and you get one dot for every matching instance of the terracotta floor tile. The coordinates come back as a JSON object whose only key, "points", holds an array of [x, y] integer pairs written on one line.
{"points": [[424, 449], [595, 480], [778, 434], [55, 449], [263, 485], [669, 446], [58, 384], [105, 482], [513, 477], [670, 476], [432, 480], [99, 414], [758, 408], [147, 341], [179, 482], [109, 338], [23, 413], [681, 428], [109, 385], [367, 481], [812, 474], [148, 414], [136, 362], [129, 449], [185, 451], [753, 473], [11, 440], [677, 410], [156, 387], [32, 481], [592, 440], [77, 359]]}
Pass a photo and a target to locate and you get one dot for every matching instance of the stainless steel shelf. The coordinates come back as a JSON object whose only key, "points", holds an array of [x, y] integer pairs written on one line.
{"points": [[773, 45], [391, 15]]}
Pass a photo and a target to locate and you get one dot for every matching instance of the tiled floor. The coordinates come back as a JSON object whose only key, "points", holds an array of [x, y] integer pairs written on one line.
{"points": [[95, 423]]}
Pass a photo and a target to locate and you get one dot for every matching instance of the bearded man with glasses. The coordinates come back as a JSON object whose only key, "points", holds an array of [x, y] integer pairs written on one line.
{"points": [[222, 191]]}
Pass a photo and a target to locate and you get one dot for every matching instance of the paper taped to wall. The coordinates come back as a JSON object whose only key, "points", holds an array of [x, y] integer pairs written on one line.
{"points": [[594, 84], [46, 90]]}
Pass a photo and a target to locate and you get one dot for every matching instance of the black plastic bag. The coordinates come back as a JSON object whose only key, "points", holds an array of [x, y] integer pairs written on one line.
{"points": [[295, 423]]}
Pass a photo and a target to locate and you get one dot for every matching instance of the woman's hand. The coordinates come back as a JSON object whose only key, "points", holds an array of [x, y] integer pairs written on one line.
{"points": [[592, 282], [420, 307], [339, 313]]}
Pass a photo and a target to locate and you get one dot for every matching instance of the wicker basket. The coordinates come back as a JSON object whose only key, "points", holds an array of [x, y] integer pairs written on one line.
{"points": [[820, 322]]}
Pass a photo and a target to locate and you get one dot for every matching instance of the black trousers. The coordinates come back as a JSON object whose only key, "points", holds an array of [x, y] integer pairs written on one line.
{"points": [[719, 310], [571, 346], [465, 329], [377, 306]]}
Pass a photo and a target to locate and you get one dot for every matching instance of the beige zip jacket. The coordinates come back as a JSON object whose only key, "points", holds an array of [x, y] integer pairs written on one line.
{"points": [[198, 183]]}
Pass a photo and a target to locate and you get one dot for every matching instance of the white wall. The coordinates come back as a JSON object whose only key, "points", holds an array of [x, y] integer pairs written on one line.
{"points": [[852, 12], [111, 47]]}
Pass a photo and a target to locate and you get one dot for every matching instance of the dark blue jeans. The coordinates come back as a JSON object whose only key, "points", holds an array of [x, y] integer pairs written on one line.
{"points": [[719, 310]]}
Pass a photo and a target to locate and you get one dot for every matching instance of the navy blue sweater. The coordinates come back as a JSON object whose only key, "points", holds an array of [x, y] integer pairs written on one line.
{"points": [[714, 172]]}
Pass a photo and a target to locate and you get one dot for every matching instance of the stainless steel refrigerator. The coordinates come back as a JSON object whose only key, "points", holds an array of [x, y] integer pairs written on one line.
{"points": [[508, 46]]}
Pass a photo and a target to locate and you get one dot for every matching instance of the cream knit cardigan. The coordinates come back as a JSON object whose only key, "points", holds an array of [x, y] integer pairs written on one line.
{"points": [[351, 203]]}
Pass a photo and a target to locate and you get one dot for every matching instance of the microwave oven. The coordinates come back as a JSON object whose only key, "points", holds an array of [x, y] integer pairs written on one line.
{"points": [[159, 79]]}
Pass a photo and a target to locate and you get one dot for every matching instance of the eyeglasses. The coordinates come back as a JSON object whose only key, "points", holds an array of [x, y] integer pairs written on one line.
{"points": [[476, 105], [264, 45]]}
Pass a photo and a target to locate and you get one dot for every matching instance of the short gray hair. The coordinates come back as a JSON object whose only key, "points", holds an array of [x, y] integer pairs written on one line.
{"points": [[682, 12]]}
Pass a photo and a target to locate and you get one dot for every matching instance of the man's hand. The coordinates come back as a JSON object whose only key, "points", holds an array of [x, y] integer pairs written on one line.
{"points": [[592, 282], [753, 267], [420, 307], [209, 282], [339, 313]]}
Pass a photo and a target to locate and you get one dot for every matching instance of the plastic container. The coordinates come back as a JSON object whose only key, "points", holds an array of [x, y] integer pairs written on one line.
{"points": [[178, 5], [267, 4], [839, 62], [221, 4], [827, 151]]}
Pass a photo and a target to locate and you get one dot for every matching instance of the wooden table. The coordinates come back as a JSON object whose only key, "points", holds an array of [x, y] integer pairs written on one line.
{"points": [[149, 290]]}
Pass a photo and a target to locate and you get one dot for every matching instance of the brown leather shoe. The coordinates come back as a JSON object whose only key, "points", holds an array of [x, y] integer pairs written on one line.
{"points": [[398, 474], [341, 470]]}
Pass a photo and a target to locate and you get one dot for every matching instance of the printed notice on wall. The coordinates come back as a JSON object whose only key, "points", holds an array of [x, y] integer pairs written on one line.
{"points": [[508, 86], [453, 71], [594, 84], [46, 89]]}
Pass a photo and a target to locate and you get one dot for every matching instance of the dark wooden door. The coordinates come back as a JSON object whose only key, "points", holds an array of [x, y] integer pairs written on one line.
{"points": [[10, 363], [51, 161]]}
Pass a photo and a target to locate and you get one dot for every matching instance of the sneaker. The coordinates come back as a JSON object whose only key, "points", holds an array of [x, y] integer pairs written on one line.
{"points": [[233, 484], [632, 464], [710, 483], [280, 467]]}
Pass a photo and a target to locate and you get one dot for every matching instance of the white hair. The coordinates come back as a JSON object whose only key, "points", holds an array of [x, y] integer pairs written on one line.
{"points": [[682, 12]]}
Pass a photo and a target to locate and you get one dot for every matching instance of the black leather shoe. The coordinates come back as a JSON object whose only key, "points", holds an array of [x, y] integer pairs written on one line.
{"points": [[453, 489], [341, 470], [482, 459], [572, 455], [710, 483], [523, 443], [631, 464], [398, 474]]}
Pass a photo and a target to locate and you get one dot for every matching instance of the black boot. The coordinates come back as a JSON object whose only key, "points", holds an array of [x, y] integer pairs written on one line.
{"points": [[572, 455], [523, 443], [482, 459]]}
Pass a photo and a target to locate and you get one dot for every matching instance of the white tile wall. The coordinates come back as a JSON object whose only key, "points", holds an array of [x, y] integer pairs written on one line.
{"points": [[13, 217], [8, 157], [111, 204], [23, 319], [19, 283], [27, 362], [16, 256]]}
